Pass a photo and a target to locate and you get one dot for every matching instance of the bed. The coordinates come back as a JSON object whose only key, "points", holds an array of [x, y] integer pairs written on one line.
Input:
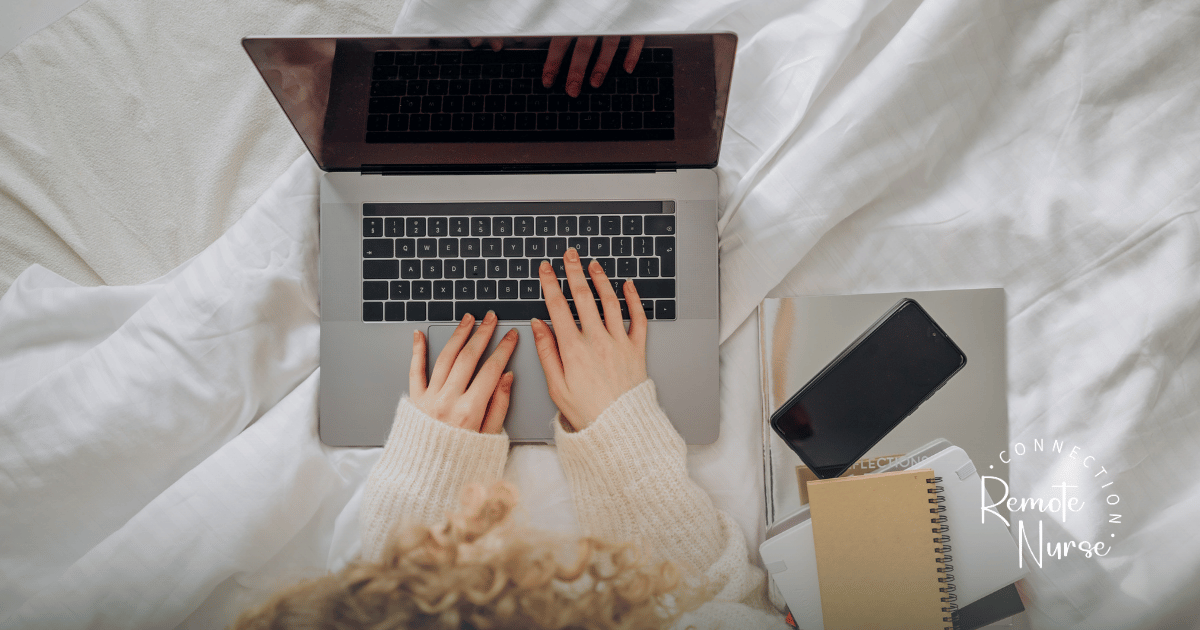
{"points": [[158, 328]]}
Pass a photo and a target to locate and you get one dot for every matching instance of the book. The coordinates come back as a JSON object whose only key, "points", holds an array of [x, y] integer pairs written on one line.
{"points": [[798, 336], [882, 551]]}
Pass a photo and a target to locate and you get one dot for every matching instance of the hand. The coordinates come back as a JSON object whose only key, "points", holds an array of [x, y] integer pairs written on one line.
{"points": [[579, 60], [589, 368], [452, 396]]}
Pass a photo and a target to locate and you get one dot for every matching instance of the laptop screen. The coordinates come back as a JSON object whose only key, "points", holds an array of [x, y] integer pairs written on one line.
{"points": [[538, 103]]}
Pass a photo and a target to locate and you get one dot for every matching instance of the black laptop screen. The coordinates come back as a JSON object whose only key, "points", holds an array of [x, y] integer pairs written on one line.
{"points": [[409, 104]]}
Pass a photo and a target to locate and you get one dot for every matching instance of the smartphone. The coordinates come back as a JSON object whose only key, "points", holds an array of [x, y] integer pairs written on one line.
{"points": [[876, 382]]}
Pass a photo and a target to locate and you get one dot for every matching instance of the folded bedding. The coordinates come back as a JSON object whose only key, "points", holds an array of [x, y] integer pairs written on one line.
{"points": [[158, 441]]}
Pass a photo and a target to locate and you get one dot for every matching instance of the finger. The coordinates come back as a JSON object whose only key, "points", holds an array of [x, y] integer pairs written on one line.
{"points": [[468, 358], [445, 360], [608, 49], [608, 299], [637, 316], [554, 57], [416, 371], [579, 62], [493, 420], [497, 44], [585, 302], [635, 50], [556, 303], [547, 351], [475, 42], [489, 375]]}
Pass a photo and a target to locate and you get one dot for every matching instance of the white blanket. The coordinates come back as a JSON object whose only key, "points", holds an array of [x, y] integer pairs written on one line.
{"points": [[157, 442]]}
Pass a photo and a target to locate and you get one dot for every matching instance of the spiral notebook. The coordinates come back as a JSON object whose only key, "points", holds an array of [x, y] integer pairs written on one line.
{"points": [[881, 544]]}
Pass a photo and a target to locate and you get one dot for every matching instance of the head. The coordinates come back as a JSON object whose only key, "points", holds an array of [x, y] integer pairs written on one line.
{"points": [[480, 570]]}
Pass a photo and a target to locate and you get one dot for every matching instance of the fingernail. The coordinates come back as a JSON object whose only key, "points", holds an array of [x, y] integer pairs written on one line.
{"points": [[467, 319], [573, 88], [544, 267], [490, 317], [416, 336], [572, 255], [597, 79], [594, 266]]}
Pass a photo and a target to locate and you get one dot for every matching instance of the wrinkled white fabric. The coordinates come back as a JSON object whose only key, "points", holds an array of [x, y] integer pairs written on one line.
{"points": [[1048, 148]]}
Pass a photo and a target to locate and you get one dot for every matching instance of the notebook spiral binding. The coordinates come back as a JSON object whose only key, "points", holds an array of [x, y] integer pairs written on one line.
{"points": [[943, 541]]}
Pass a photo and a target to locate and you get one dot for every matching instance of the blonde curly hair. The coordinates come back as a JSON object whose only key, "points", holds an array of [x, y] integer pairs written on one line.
{"points": [[480, 570]]}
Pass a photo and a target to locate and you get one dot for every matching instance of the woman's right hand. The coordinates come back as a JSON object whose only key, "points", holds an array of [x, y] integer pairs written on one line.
{"points": [[589, 367]]}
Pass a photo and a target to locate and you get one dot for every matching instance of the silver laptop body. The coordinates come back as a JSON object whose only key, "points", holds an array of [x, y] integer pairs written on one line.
{"points": [[649, 188]]}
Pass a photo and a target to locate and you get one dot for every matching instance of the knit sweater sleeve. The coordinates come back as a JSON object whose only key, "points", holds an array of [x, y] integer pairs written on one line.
{"points": [[421, 474], [628, 471]]}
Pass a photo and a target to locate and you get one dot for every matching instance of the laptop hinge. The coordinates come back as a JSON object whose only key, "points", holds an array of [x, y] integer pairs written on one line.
{"points": [[460, 169]]}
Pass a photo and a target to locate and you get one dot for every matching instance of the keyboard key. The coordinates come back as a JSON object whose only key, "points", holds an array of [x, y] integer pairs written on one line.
{"points": [[648, 267], [664, 248], [560, 268], [502, 226], [469, 248], [393, 311], [410, 269], [414, 226], [581, 245], [431, 269], [589, 120], [378, 122], [497, 269], [426, 57], [627, 268], [419, 122], [599, 246], [531, 290], [384, 105], [441, 311], [655, 288], [418, 88], [406, 247], [372, 226], [443, 290], [476, 269], [427, 248], [610, 267], [438, 227], [664, 103], [545, 226], [556, 247], [393, 227], [377, 247], [399, 289], [648, 308], [508, 289], [398, 122], [526, 121], [518, 268], [514, 248], [464, 290], [643, 103], [610, 120], [622, 246], [485, 289], [481, 226], [375, 290], [422, 289], [385, 58], [622, 102], [660, 224], [659, 120], [568, 226], [568, 120], [410, 104], [381, 269], [493, 247], [643, 246], [647, 85], [523, 226], [610, 225], [535, 247], [589, 225], [547, 121], [447, 247], [521, 310], [631, 120], [372, 311], [415, 312], [454, 268], [632, 225]]}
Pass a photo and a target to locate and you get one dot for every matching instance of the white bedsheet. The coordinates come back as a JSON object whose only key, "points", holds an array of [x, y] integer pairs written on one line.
{"points": [[870, 146]]}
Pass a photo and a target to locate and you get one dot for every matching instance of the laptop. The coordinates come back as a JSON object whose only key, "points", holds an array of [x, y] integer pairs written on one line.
{"points": [[451, 172]]}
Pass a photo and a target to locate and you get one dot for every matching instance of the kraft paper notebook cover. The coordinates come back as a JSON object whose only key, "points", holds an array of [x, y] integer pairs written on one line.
{"points": [[879, 541]]}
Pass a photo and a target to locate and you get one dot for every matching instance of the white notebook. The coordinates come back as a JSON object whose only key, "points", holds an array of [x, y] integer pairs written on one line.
{"points": [[984, 553]]}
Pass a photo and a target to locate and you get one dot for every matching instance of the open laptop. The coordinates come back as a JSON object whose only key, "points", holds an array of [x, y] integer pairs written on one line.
{"points": [[451, 172]]}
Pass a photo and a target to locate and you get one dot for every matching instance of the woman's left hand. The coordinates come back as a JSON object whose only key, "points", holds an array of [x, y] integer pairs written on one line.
{"points": [[451, 395]]}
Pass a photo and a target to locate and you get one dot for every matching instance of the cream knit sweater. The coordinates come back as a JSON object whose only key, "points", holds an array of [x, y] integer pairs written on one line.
{"points": [[627, 472]]}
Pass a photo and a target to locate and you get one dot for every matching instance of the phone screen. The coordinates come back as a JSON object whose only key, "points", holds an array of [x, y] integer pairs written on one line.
{"points": [[863, 394]]}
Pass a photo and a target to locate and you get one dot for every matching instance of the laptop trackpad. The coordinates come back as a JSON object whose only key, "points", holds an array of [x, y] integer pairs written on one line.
{"points": [[530, 410]]}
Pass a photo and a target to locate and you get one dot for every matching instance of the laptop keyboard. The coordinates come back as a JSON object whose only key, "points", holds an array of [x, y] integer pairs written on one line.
{"points": [[490, 96], [439, 268]]}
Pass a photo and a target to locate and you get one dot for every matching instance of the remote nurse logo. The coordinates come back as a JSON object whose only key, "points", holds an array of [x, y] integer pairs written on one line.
{"points": [[1078, 495]]}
